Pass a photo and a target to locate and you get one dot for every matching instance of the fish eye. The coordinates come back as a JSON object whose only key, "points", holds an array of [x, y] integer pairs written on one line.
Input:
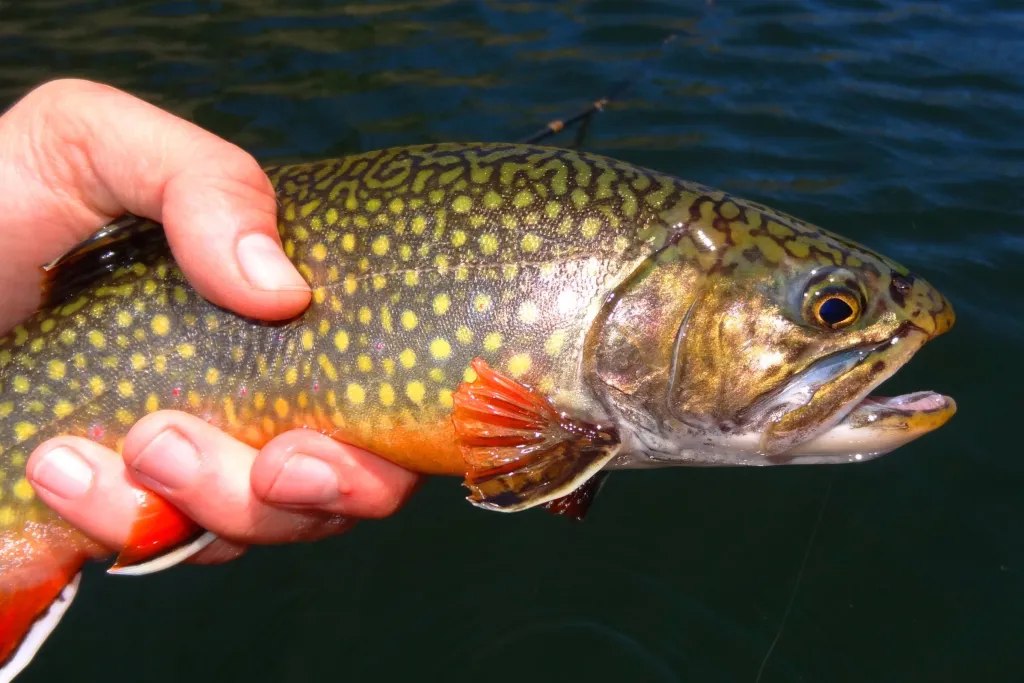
{"points": [[835, 309]]}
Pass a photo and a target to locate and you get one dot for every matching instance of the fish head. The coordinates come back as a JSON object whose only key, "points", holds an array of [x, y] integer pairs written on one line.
{"points": [[777, 345]]}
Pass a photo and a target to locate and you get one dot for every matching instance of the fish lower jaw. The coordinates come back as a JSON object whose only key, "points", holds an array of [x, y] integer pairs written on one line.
{"points": [[876, 426]]}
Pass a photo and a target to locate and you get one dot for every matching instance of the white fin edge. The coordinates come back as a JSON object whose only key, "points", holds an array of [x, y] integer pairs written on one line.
{"points": [[166, 561], [39, 632]]}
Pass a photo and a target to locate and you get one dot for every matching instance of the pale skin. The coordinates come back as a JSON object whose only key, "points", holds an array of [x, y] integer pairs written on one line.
{"points": [[76, 154]]}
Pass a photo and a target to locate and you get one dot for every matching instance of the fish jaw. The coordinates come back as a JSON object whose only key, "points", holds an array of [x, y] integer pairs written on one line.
{"points": [[877, 426]]}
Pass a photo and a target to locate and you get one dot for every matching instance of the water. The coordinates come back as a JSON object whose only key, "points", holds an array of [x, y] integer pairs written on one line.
{"points": [[895, 123]]}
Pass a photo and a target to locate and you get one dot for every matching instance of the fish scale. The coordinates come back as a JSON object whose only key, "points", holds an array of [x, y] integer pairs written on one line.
{"points": [[504, 313]]}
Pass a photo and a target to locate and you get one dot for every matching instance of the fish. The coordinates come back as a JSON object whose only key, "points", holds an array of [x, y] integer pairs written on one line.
{"points": [[527, 318]]}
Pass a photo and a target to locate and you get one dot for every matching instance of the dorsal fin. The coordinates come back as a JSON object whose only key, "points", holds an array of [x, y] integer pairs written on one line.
{"points": [[128, 239]]}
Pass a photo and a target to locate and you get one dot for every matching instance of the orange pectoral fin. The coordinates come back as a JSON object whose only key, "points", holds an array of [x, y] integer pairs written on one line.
{"points": [[160, 537], [520, 451], [39, 573]]}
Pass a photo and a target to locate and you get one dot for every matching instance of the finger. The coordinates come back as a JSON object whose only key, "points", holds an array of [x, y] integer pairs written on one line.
{"points": [[305, 469], [205, 473], [87, 485], [80, 153]]}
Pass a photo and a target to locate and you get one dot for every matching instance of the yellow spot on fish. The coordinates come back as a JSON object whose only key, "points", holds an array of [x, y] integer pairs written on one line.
{"points": [[68, 336], [464, 335], [186, 350], [160, 363], [21, 384], [590, 226], [55, 369], [138, 361], [442, 302], [519, 364], [412, 278], [530, 242], [291, 375], [351, 284], [281, 408], [409, 320], [488, 244], [307, 339], [327, 366], [348, 242], [5, 408], [492, 342], [355, 393], [161, 325], [458, 238], [63, 409], [48, 325], [415, 391], [341, 340], [386, 394], [445, 398], [212, 375], [124, 318], [6, 516], [528, 312], [96, 384], [407, 358], [522, 199], [23, 490], [554, 343], [97, 339], [24, 430], [124, 416], [462, 204], [319, 251], [381, 245], [469, 375], [152, 403], [124, 387], [436, 374], [482, 302], [440, 348], [364, 363], [365, 316], [396, 205]]}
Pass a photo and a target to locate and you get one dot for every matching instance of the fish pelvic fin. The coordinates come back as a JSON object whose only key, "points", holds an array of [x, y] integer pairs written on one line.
{"points": [[40, 567], [161, 537], [520, 451]]}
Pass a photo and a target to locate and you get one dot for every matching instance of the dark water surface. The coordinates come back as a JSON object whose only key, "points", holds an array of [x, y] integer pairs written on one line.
{"points": [[898, 124]]}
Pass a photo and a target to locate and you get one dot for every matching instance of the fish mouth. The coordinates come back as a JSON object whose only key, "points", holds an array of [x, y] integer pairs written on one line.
{"points": [[827, 413], [876, 426]]}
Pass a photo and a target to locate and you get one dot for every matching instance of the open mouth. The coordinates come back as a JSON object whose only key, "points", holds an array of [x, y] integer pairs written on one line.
{"points": [[828, 413]]}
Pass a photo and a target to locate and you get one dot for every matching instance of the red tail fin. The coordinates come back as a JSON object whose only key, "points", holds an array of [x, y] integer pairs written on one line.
{"points": [[39, 568]]}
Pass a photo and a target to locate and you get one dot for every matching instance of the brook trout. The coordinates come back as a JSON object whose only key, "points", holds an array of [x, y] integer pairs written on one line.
{"points": [[526, 318]]}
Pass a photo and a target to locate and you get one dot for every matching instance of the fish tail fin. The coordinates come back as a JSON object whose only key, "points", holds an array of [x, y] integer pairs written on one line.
{"points": [[40, 567]]}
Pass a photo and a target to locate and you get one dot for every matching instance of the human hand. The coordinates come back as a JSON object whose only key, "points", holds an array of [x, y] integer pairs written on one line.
{"points": [[73, 156]]}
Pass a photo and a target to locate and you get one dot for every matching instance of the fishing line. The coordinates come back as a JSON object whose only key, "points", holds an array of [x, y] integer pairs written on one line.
{"points": [[796, 584]]}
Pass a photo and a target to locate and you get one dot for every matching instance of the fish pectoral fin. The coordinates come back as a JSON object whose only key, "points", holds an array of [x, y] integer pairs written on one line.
{"points": [[161, 537], [520, 451], [577, 504], [39, 574]]}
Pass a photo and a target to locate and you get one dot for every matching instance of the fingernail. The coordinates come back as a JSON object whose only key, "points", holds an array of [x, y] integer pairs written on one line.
{"points": [[304, 480], [170, 459], [264, 264], [64, 473]]}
